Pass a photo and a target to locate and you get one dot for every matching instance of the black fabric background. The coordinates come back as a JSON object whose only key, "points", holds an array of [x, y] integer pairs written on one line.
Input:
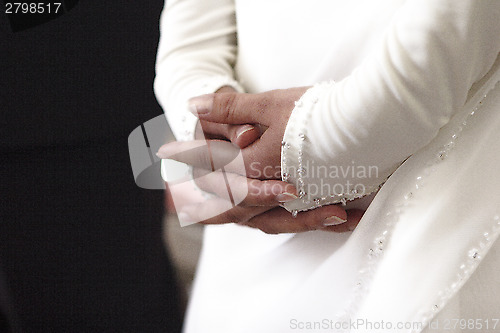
{"points": [[80, 245], [87, 74]]}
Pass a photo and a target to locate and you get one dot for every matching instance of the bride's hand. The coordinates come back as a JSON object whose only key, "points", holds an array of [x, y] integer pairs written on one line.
{"points": [[247, 201], [259, 209], [260, 206]]}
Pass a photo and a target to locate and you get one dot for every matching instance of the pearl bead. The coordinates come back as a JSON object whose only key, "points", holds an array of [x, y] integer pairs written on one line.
{"points": [[441, 155], [474, 254]]}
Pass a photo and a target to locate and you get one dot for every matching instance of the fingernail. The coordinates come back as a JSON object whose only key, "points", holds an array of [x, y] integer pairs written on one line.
{"points": [[333, 220], [285, 197], [162, 153], [201, 104], [243, 130], [185, 218]]}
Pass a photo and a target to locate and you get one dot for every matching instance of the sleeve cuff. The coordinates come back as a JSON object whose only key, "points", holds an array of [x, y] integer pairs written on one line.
{"points": [[319, 181]]}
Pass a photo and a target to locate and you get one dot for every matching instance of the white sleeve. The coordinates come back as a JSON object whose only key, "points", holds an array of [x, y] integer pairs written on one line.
{"points": [[344, 139], [196, 54]]}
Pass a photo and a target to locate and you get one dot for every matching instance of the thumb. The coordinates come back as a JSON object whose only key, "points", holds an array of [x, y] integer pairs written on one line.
{"points": [[231, 108]]}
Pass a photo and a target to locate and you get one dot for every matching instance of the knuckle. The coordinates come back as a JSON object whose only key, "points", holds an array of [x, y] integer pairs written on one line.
{"points": [[263, 194], [311, 222], [226, 102], [265, 100]]}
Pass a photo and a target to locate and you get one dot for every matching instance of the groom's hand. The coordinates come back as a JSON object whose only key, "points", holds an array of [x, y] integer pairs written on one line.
{"points": [[269, 110], [260, 210], [239, 135], [239, 118]]}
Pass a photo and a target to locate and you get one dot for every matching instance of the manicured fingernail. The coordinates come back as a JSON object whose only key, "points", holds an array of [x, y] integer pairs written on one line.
{"points": [[162, 153], [333, 220], [185, 218], [285, 197], [243, 130], [201, 104]]}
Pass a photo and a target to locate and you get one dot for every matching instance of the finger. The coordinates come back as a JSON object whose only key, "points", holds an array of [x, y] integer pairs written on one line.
{"points": [[234, 108], [263, 158], [216, 154], [240, 135], [259, 161], [244, 191], [199, 153], [353, 218], [244, 135], [218, 211], [278, 220]]}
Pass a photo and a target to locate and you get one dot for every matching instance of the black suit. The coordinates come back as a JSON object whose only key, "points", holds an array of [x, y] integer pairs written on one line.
{"points": [[81, 245]]}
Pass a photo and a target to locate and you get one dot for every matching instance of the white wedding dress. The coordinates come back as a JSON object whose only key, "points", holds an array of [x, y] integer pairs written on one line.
{"points": [[416, 82]]}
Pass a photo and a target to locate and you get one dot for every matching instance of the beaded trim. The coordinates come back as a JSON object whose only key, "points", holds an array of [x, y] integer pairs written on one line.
{"points": [[310, 98], [466, 269], [475, 255], [375, 252], [302, 113]]}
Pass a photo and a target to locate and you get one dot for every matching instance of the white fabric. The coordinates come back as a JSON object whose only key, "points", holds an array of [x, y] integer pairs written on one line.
{"points": [[404, 72]]}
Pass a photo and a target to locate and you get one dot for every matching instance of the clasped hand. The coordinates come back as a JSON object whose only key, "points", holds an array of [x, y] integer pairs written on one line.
{"points": [[255, 123]]}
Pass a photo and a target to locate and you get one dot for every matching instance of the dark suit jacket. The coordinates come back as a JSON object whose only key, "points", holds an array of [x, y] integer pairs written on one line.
{"points": [[80, 245], [87, 74]]}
